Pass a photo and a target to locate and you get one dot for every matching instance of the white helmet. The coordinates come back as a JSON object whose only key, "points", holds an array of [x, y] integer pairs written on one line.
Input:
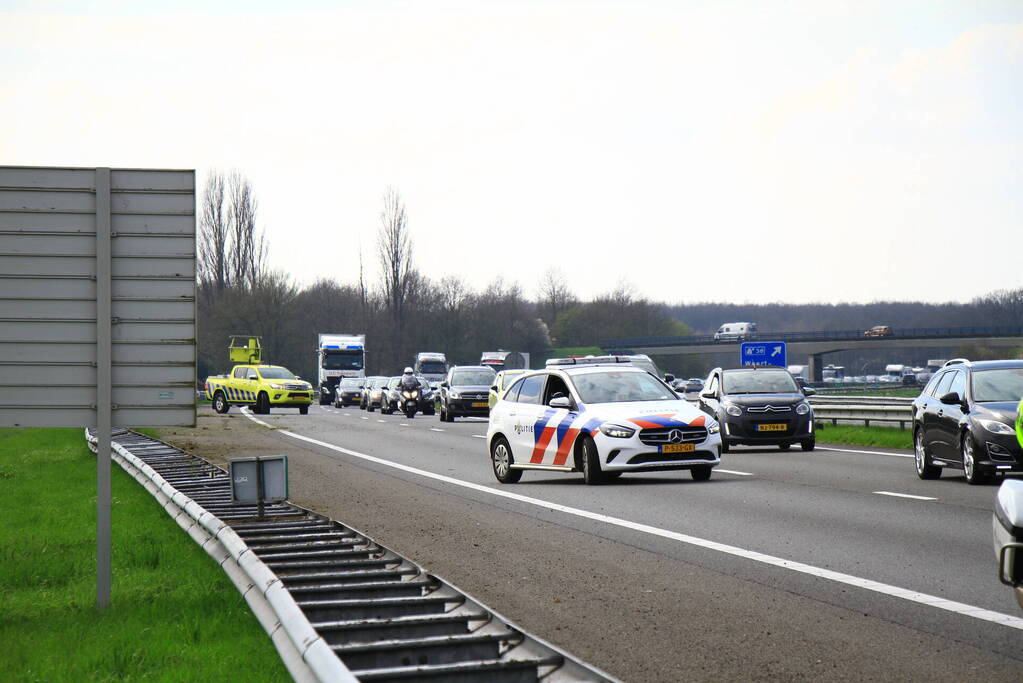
{"points": [[408, 371]]}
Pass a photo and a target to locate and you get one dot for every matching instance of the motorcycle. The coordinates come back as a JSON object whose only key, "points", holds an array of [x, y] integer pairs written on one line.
{"points": [[410, 402]]}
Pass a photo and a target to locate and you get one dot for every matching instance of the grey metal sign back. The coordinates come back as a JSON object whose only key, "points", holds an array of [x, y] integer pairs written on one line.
{"points": [[97, 267]]}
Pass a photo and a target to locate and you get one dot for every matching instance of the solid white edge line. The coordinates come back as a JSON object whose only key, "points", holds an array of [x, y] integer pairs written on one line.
{"points": [[903, 495], [819, 572], [849, 450], [741, 474], [434, 429], [480, 436]]}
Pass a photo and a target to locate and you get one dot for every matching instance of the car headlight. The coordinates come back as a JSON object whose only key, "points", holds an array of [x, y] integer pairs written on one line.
{"points": [[803, 408], [617, 431], [996, 427], [732, 409], [453, 394], [713, 427], [276, 386]]}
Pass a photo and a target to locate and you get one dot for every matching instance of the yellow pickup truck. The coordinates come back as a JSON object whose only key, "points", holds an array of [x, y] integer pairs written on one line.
{"points": [[252, 383]]}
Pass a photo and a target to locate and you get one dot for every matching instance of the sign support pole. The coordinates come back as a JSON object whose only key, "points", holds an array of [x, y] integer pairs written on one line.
{"points": [[103, 386]]}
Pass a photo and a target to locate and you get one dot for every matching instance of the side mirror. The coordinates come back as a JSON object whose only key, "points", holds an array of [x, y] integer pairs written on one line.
{"points": [[707, 394], [445, 385], [950, 399], [493, 387], [561, 402], [809, 391], [668, 377]]}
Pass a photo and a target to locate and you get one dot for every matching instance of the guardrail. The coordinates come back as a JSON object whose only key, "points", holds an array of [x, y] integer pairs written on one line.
{"points": [[338, 605], [884, 409], [305, 654]]}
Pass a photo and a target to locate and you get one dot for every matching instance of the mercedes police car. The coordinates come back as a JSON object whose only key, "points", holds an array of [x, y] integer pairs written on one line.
{"points": [[599, 416]]}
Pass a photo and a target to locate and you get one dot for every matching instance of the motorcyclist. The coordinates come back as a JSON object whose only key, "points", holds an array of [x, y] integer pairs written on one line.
{"points": [[409, 382]]}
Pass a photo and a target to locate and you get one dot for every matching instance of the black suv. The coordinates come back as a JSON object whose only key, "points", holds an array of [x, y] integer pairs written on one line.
{"points": [[758, 406], [465, 391], [964, 419]]}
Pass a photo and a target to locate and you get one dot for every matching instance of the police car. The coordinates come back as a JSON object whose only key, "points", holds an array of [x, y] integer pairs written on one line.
{"points": [[602, 417]]}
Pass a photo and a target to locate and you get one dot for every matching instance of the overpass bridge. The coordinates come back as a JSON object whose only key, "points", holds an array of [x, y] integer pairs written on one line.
{"points": [[817, 344]]}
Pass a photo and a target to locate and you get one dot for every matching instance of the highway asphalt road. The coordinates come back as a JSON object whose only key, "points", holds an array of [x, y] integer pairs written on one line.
{"points": [[838, 564]]}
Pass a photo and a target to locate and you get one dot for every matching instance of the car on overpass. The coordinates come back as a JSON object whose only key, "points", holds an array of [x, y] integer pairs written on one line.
{"points": [[601, 418], [878, 331], [759, 406], [964, 419]]}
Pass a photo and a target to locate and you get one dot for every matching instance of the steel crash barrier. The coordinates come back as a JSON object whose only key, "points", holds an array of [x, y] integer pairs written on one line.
{"points": [[337, 605], [885, 409]]}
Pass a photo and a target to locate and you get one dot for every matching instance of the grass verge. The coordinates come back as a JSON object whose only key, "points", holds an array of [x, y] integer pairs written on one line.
{"points": [[174, 614], [853, 435]]}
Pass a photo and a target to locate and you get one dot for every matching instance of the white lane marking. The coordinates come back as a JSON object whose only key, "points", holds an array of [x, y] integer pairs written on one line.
{"points": [[903, 495], [403, 424], [838, 577], [847, 450], [741, 474], [364, 417], [347, 414], [434, 429], [381, 420], [480, 436]]}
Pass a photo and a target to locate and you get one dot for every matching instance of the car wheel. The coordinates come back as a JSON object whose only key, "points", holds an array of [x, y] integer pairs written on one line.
{"points": [[611, 476], [701, 473], [591, 464], [974, 473], [501, 458], [809, 444], [443, 414], [924, 468], [784, 446], [220, 403], [370, 408], [263, 404], [303, 410], [724, 446]]}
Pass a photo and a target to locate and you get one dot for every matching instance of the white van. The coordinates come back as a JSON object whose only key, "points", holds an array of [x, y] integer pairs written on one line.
{"points": [[736, 332]]}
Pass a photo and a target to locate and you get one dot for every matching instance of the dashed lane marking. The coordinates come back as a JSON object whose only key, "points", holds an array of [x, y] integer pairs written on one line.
{"points": [[480, 436], [903, 495], [849, 450], [434, 429], [741, 474], [752, 555]]}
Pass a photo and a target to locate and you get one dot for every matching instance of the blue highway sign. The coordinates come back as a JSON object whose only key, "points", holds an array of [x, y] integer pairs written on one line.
{"points": [[763, 353]]}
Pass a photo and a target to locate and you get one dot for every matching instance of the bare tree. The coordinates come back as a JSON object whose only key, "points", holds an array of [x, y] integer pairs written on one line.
{"points": [[248, 253], [213, 234], [554, 295], [394, 246], [232, 249]]}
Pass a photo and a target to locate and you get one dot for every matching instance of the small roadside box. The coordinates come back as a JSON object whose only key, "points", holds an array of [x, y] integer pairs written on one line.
{"points": [[261, 479]]}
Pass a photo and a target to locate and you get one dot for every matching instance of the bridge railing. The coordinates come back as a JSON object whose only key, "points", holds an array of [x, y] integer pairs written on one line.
{"points": [[637, 343]]}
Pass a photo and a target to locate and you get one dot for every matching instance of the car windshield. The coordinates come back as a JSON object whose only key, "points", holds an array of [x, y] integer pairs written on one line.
{"points": [[276, 373], [1004, 385], [342, 360], [478, 378], [350, 383], [433, 367], [758, 382], [620, 387]]}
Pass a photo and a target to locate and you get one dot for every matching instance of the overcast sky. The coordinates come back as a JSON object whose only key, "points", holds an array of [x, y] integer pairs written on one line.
{"points": [[718, 151]]}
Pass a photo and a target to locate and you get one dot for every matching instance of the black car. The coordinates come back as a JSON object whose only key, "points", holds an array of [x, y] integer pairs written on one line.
{"points": [[464, 392], [348, 392], [964, 419], [759, 406]]}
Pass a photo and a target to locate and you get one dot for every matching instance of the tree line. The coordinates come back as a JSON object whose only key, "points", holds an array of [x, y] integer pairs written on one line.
{"points": [[403, 311]]}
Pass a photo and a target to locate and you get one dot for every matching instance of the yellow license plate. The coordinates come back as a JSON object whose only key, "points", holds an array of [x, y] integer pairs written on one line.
{"points": [[772, 428], [480, 404], [678, 448]]}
